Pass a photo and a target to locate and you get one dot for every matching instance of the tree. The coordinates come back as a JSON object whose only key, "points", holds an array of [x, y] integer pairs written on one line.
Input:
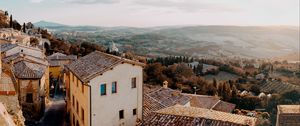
{"points": [[248, 102], [11, 22], [16, 25], [294, 96], [24, 28], [34, 42], [211, 90], [255, 89]]}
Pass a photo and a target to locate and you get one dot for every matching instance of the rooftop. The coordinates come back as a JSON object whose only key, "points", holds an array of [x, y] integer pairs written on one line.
{"points": [[96, 63], [156, 98], [7, 46], [59, 59], [169, 97], [28, 70], [289, 108], [203, 101], [60, 56], [192, 115], [20, 56]]}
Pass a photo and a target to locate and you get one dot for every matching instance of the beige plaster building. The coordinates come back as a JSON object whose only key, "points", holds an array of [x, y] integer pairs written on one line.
{"points": [[104, 90]]}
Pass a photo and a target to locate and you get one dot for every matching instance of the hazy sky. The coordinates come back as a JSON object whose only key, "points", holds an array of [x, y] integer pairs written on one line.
{"points": [[143, 13]]}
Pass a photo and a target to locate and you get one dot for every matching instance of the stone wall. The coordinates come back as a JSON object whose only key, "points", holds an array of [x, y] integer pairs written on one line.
{"points": [[11, 103]]}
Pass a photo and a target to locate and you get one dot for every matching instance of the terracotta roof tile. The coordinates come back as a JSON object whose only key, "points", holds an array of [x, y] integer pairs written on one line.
{"points": [[289, 108], [25, 69], [60, 56], [95, 63], [203, 101], [192, 116], [224, 106], [7, 46], [169, 97]]}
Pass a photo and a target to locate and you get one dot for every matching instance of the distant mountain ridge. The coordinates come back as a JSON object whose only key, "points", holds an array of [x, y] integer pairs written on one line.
{"points": [[46, 24]]}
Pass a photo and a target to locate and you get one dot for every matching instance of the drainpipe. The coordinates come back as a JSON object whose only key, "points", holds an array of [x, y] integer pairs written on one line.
{"points": [[90, 103]]}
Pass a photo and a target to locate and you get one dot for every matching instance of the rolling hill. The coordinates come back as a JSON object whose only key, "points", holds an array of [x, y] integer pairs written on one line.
{"points": [[198, 41]]}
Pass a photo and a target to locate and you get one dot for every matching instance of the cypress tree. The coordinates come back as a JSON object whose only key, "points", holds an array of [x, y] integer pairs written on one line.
{"points": [[24, 29], [11, 21]]}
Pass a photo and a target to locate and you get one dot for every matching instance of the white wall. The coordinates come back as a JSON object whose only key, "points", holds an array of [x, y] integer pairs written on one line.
{"points": [[105, 109]]}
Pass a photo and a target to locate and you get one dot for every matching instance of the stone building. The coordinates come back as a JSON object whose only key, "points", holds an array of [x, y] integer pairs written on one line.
{"points": [[57, 61], [288, 115], [29, 70]]}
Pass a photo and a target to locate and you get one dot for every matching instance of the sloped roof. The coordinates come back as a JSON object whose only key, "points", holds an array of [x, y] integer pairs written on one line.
{"points": [[7, 46], [156, 98], [20, 56], [28, 70], [58, 59], [60, 56], [210, 102], [150, 105], [203, 101], [192, 116], [169, 97], [224, 106], [96, 63]]}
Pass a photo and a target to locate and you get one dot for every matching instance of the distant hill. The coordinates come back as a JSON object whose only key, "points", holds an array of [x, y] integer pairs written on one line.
{"points": [[45, 24], [198, 41]]}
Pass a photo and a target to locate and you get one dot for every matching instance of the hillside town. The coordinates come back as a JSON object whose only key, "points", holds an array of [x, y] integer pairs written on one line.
{"points": [[42, 84]]}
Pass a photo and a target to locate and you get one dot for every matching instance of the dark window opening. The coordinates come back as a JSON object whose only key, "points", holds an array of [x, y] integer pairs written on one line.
{"points": [[29, 98], [121, 114], [134, 111], [133, 82]]}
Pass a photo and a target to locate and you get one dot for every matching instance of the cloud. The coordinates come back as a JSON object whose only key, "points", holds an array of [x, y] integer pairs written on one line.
{"points": [[91, 1], [188, 5]]}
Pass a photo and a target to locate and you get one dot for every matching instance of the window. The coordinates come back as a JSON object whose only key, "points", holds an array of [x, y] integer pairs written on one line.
{"points": [[82, 114], [76, 82], [134, 112], [121, 114], [82, 88], [73, 101], [77, 107], [29, 98], [133, 82], [103, 89], [73, 120], [114, 87]]}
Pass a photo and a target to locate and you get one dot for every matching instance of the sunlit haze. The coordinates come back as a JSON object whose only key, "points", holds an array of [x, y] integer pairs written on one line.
{"points": [[145, 13]]}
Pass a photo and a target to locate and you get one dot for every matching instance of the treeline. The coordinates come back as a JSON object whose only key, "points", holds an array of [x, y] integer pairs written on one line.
{"points": [[12, 23], [170, 60], [62, 46]]}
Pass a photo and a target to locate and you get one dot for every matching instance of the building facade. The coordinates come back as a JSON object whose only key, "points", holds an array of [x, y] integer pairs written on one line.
{"points": [[57, 62], [288, 115], [103, 89]]}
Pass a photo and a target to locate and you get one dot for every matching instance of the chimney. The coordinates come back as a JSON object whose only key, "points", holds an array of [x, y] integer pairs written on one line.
{"points": [[165, 84]]}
